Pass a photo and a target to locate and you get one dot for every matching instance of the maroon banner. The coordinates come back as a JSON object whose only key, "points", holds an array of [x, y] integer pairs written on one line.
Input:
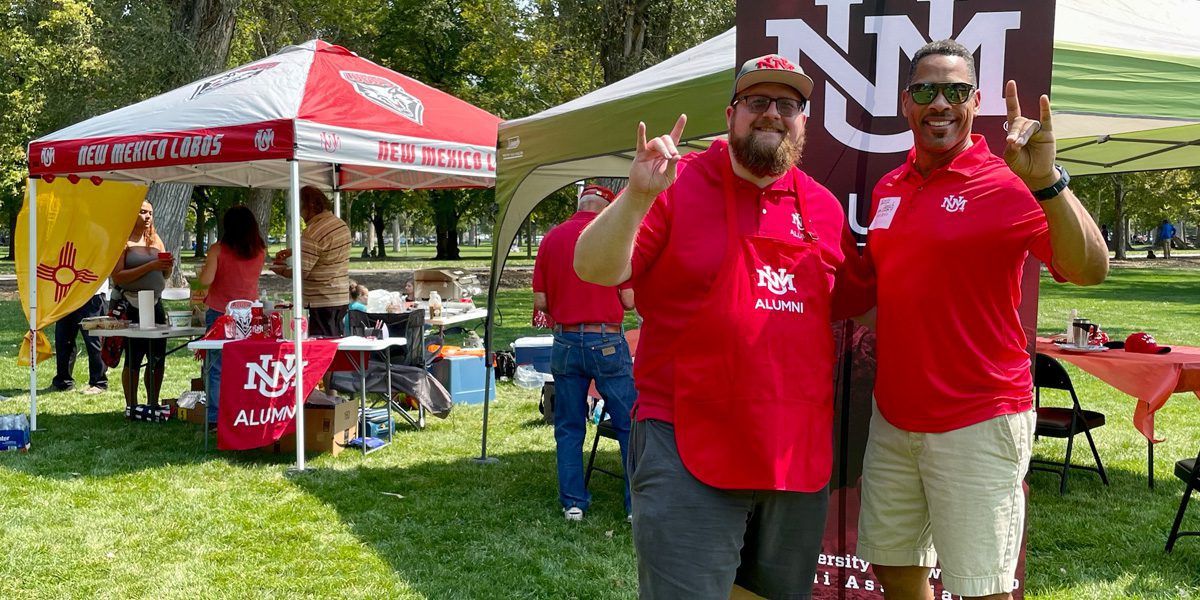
{"points": [[858, 54], [258, 377], [238, 143]]}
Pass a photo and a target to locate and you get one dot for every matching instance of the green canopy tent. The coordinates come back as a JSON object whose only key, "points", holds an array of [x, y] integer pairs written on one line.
{"points": [[1126, 104]]}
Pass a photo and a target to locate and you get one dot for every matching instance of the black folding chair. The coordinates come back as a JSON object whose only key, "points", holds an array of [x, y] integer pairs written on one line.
{"points": [[604, 429], [1187, 471], [1061, 422], [410, 326]]}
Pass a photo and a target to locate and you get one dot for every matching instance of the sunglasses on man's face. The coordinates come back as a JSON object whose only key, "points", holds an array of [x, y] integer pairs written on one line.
{"points": [[787, 107], [955, 93]]}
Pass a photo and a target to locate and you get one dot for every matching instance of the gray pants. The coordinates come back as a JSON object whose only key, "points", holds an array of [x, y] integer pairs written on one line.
{"points": [[696, 541]]}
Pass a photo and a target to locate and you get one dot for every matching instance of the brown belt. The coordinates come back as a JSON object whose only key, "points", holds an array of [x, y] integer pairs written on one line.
{"points": [[589, 328]]}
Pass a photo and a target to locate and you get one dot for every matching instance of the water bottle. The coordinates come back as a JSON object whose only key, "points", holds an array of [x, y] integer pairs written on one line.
{"points": [[598, 412], [23, 422]]}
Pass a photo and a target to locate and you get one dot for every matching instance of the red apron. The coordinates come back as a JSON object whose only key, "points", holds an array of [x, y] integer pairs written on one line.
{"points": [[754, 366]]}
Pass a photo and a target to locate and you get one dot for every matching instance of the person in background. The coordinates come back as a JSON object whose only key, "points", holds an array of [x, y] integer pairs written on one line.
{"points": [[358, 296], [141, 267], [324, 264], [231, 271], [1166, 233], [589, 345], [65, 332]]}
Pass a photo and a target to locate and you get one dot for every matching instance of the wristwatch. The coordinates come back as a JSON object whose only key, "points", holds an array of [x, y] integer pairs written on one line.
{"points": [[1047, 193]]}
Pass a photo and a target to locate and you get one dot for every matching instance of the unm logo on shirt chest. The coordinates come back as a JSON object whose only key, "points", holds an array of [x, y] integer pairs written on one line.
{"points": [[954, 203]]}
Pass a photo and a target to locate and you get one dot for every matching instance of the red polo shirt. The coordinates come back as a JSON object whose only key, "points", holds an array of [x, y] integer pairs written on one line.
{"points": [[947, 264], [681, 244], [570, 299]]}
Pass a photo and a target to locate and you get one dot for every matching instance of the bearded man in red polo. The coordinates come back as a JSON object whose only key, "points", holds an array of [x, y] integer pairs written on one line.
{"points": [[950, 231], [732, 254]]}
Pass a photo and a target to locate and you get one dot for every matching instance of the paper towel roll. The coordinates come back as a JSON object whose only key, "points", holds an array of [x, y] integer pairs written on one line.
{"points": [[146, 309]]}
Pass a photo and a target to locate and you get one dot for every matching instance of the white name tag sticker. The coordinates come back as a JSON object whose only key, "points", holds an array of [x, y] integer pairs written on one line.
{"points": [[885, 212]]}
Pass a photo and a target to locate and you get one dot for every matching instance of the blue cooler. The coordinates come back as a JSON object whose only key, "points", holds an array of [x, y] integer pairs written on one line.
{"points": [[463, 376], [534, 351]]}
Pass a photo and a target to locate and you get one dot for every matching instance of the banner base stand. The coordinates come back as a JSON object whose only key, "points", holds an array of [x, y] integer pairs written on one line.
{"points": [[485, 460]]}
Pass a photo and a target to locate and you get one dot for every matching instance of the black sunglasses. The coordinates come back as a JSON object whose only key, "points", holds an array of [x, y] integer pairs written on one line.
{"points": [[787, 107], [955, 93]]}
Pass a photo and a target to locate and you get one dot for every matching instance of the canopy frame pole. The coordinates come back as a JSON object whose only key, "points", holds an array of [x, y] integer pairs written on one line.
{"points": [[33, 304], [337, 203], [297, 302]]}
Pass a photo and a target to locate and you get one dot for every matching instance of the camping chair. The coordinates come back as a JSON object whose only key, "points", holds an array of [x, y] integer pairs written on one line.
{"points": [[1065, 423], [1187, 470], [411, 326]]}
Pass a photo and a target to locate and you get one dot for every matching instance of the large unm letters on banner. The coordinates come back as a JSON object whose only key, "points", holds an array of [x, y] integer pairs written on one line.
{"points": [[858, 56]]}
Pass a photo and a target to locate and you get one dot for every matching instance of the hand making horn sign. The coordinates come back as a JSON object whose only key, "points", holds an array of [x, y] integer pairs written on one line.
{"points": [[653, 167], [1030, 145]]}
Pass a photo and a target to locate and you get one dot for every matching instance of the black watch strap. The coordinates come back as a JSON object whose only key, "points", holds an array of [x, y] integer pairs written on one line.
{"points": [[1047, 193]]}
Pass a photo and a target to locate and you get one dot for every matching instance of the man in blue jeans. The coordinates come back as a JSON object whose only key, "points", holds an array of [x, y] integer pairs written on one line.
{"points": [[589, 345]]}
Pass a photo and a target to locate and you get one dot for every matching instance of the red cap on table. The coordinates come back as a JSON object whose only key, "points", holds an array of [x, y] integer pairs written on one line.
{"points": [[1143, 343]]}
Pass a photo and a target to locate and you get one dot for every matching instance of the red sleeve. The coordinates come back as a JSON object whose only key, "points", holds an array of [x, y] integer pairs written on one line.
{"points": [[854, 287], [652, 235], [1033, 226]]}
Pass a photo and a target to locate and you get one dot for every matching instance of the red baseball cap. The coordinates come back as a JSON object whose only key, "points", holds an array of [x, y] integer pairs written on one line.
{"points": [[1143, 343], [772, 68], [598, 190]]}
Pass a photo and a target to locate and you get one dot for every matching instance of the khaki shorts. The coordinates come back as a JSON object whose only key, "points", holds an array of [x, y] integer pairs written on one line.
{"points": [[958, 492]]}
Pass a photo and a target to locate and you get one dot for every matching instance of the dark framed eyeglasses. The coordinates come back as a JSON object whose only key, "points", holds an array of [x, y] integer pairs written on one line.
{"points": [[787, 107], [955, 93]]}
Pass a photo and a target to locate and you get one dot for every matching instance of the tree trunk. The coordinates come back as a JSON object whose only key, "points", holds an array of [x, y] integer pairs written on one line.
{"points": [[1122, 238], [201, 225], [259, 203], [529, 238], [369, 244], [396, 233], [377, 221], [12, 235], [208, 25], [445, 220]]}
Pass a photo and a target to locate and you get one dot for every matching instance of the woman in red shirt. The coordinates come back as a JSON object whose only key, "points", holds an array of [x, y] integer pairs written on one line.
{"points": [[231, 272]]}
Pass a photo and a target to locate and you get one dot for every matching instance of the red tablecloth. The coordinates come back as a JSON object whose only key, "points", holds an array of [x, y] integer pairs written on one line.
{"points": [[1151, 378], [257, 389]]}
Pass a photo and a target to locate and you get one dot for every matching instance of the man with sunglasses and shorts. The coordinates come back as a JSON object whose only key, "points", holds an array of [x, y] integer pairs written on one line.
{"points": [[950, 230], [732, 253]]}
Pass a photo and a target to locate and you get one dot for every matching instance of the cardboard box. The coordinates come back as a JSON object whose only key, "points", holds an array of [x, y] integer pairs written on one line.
{"points": [[326, 428]]}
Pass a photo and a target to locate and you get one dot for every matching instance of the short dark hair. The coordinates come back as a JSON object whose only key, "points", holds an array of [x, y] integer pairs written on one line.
{"points": [[313, 199], [943, 48]]}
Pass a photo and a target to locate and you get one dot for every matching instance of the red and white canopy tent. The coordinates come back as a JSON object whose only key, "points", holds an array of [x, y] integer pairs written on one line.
{"points": [[313, 114]]}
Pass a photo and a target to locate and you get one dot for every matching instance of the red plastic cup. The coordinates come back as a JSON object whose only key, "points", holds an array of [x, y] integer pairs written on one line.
{"points": [[164, 256]]}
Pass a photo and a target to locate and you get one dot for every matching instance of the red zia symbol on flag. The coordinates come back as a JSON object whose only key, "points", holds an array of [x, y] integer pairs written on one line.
{"points": [[64, 275]]}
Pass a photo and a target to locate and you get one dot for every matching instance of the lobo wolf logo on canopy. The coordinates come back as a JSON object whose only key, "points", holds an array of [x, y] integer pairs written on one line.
{"points": [[230, 78], [387, 94]]}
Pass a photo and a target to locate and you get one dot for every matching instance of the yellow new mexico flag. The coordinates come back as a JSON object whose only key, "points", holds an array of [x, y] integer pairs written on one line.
{"points": [[81, 230]]}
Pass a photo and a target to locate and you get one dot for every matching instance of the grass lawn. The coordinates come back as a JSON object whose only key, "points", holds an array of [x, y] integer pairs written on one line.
{"points": [[105, 508]]}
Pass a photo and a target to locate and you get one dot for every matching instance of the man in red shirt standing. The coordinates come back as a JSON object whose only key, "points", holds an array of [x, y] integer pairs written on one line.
{"points": [[951, 435], [732, 253], [589, 345]]}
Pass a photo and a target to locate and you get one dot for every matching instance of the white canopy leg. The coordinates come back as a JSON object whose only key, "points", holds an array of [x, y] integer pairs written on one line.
{"points": [[297, 307], [337, 203], [33, 304]]}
